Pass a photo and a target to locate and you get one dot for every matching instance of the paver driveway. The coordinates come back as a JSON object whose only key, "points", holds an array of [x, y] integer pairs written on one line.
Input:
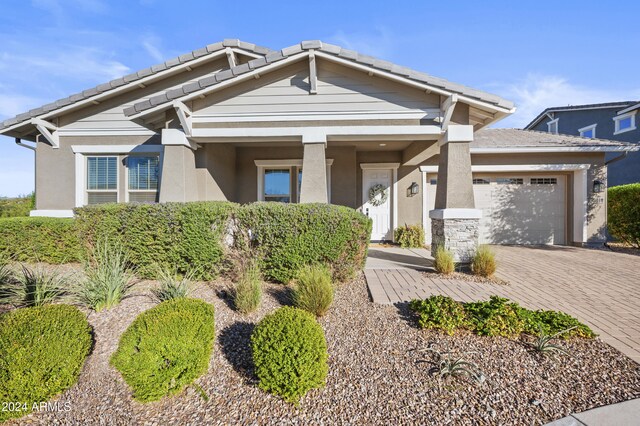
{"points": [[600, 288]]}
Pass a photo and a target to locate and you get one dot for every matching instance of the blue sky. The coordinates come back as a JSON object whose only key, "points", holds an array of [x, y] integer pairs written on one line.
{"points": [[536, 53]]}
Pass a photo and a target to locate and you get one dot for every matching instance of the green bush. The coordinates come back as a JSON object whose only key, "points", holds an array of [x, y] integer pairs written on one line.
{"points": [[624, 213], [40, 239], [439, 313], [166, 348], [32, 287], [483, 262], [289, 236], [410, 236], [290, 353], [443, 261], [184, 236], [42, 351], [107, 279], [17, 207], [247, 292], [314, 289], [495, 317]]}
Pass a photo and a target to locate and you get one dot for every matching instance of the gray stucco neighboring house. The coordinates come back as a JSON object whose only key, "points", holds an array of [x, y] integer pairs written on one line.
{"points": [[612, 120], [315, 122]]}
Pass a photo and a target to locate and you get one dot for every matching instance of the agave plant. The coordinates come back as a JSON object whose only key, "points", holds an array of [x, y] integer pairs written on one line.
{"points": [[543, 343], [448, 365]]}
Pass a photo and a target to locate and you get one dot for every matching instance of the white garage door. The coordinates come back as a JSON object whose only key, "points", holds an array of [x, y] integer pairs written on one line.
{"points": [[517, 209]]}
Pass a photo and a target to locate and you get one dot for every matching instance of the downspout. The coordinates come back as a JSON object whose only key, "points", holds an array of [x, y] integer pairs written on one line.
{"points": [[20, 143], [618, 158]]}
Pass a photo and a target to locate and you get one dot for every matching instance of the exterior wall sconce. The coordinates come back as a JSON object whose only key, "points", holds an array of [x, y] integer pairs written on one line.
{"points": [[598, 186], [414, 189]]}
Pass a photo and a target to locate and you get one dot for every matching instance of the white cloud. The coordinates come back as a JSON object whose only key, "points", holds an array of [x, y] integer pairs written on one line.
{"points": [[379, 43], [150, 44], [536, 92], [12, 104]]}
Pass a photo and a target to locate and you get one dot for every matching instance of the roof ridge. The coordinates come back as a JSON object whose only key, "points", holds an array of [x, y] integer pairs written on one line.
{"points": [[137, 75], [319, 45], [580, 106]]}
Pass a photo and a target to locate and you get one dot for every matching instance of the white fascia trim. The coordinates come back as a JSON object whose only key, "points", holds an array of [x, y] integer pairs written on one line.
{"points": [[601, 148], [517, 168], [114, 149], [423, 86], [314, 132], [285, 163], [629, 109], [106, 132], [51, 213], [379, 166], [587, 128], [550, 123], [455, 214], [580, 206], [617, 119], [315, 116]]}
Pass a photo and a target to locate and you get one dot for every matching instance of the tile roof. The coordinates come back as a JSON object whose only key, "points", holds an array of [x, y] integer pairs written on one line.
{"points": [[113, 84], [518, 138], [338, 51], [605, 105]]}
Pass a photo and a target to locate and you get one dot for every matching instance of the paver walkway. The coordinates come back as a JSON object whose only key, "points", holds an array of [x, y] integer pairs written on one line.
{"points": [[600, 288]]}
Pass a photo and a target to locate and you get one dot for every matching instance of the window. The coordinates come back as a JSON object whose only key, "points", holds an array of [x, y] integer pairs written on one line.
{"points": [[102, 180], [143, 178], [625, 122], [277, 185], [481, 181], [544, 181], [588, 132], [510, 181], [433, 181], [552, 126]]}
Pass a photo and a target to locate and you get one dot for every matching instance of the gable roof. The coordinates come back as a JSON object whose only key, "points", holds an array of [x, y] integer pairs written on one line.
{"points": [[606, 105], [136, 77], [491, 140], [207, 84]]}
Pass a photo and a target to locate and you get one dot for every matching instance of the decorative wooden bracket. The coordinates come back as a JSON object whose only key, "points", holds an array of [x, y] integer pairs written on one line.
{"points": [[313, 74], [184, 115], [48, 130]]}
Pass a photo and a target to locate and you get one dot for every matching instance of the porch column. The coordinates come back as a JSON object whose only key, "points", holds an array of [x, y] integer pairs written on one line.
{"points": [[178, 177], [455, 221], [314, 171]]}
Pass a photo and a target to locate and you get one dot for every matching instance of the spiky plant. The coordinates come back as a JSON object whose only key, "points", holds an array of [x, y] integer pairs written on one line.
{"points": [[247, 292], [6, 274], [108, 280], [32, 287], [544, 345], [449, 366], [172, 285]]}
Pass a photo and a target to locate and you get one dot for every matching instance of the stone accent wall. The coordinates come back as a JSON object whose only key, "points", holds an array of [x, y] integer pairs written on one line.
{"points": [[460, 236]]}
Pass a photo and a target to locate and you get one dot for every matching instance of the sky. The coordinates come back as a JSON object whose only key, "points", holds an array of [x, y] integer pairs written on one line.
{"points": [[535, 53]]}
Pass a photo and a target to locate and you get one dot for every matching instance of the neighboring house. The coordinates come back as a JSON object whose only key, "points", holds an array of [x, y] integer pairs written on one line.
{"points": [[318, 123], [613, 120]]}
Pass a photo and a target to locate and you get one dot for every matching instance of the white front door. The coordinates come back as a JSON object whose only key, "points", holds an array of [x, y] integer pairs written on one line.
{"points": [[379, 214]]}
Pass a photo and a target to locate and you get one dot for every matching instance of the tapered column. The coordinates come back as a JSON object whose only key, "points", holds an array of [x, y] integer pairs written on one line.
{"points": [[178, 179], [455, 221], [314, 173]]}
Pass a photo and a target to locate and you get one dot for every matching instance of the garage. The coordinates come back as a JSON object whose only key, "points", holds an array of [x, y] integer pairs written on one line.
{"points": [[516, 208]]}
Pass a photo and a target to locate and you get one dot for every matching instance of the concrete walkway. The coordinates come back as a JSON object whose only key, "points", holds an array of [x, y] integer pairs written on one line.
{"points": [[601, 288], [622, 414]]}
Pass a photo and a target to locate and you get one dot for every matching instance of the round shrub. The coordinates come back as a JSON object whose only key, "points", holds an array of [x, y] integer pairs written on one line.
{"points": [[313, 291], [624, 213], [440, 313], [166, 348], [42, 350], [410, 236], [290, 353], [483, 262]]}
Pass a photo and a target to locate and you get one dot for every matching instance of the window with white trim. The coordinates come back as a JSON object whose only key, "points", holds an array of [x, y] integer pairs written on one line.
{"points": [[102, 179], [552, 126], [277, 184], [481, 181], [544, 181], [510, 181], [588, 131], [625, 122], [143, 174]]}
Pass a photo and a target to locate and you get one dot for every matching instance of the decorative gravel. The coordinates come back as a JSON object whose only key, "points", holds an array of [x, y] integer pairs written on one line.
{"points": [[467, 277], [374, 378]]}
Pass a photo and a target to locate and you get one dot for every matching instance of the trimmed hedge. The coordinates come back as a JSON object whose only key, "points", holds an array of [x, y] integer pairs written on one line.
{"points": [[186, 237], [290, 353], [290, 236], [624, 213], [166, 348], [410, 236], [42, 351], [40, 239]]}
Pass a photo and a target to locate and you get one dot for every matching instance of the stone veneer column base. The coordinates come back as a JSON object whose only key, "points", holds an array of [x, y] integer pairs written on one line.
{"points": [[457, 230]]}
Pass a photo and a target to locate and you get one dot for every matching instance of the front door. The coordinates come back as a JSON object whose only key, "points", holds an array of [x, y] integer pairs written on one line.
{"points": [[377, 183]]}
